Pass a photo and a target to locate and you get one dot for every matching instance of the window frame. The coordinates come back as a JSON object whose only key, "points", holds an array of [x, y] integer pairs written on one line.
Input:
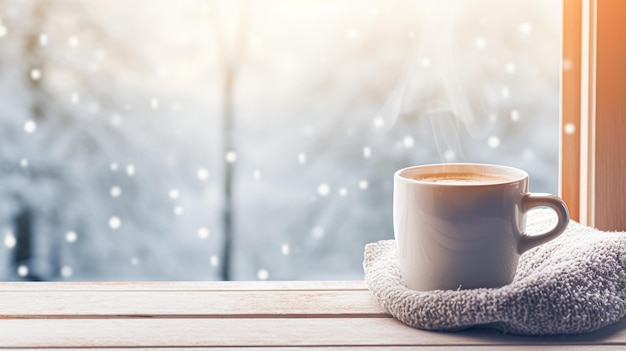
{"points": [[593, 82]]}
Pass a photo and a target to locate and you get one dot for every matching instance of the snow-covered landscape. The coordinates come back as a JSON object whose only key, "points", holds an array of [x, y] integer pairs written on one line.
{"points": [[209, 140]]}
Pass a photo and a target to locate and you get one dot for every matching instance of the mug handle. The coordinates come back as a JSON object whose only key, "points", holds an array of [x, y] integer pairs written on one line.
{"points": [[529, 201]]}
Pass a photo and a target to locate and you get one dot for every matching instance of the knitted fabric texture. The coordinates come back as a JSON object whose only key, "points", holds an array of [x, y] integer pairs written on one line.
{"points": [[573, 284]]}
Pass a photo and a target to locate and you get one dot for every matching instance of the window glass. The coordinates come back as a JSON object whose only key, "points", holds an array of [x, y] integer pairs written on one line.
{"points": [[207, 140]]}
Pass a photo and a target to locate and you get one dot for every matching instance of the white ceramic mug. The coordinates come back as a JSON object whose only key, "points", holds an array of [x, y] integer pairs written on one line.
{"points": [[465, 234]]}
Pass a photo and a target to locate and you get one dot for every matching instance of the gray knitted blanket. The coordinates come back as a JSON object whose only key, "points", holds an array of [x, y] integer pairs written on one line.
{"points": [[573, 284]]}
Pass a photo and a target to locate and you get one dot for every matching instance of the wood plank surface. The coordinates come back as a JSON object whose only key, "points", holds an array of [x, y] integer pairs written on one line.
{"points": [[275, 315], [153, 332], [185, 286], [158, 303]]}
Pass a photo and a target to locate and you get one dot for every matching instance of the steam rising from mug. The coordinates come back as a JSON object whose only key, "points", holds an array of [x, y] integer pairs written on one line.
{"points": [[435, 85]]}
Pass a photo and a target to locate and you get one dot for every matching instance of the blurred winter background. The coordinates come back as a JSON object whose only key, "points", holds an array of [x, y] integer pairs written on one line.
{"points": [[207, 140]]}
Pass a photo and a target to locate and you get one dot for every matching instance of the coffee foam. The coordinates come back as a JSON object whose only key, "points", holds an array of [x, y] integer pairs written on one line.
{"points": [[463, 178]]}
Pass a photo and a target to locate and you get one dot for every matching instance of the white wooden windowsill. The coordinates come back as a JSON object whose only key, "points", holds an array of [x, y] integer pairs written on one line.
{"points": [[274, 315]]}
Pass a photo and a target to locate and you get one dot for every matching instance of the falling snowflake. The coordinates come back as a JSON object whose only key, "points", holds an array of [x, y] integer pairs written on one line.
{"points": [[174, 194], [115, 191], [114, 167], [367, 152], [318, 232], [134, 261], [569, 128], [449, 155], [3, 31], [480, 42], [203, 174], [510, 67], [22, 271], [408, 142], [302, 158], [493, 141], [24, 163], [9, 240], [379, 122], [230, 157], [71, 236], [179, 210], [323, 189], [154, 103], [215, 261], [75, 98], [73, 41], [43, 39], [525, 28], [363, 184], [203, 233], [66, 271], [130, 170], [30, 126], [514, 115], [343, 192], [115, 223], [263, 274], [284, 249], [35, 74], [256, 174], [567, 64], [505, 92]]}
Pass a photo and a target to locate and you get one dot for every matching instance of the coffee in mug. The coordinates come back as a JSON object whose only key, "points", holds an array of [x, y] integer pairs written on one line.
{"points": [[463, 226], [463, 178]]}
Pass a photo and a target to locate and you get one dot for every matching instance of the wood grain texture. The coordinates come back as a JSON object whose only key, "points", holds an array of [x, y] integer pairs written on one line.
{"points": [[274, 315], [610, 116], [569, 149], [302, 332], [603, 115], [185, 286], [226, 304]]}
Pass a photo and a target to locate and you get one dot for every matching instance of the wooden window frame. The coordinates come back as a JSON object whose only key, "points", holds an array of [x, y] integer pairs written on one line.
{"points": [[593, 112]]}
